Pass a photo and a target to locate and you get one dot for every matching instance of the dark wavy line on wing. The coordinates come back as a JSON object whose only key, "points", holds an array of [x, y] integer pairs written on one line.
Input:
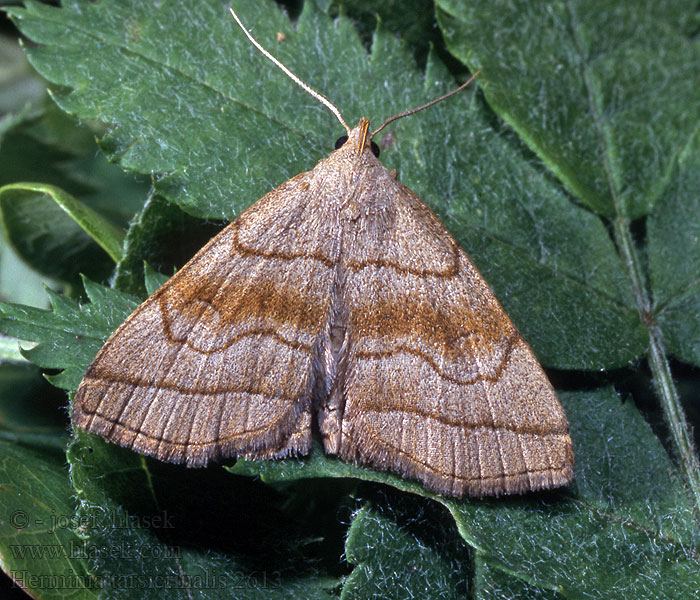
{"points": [[448, 475], [140, 382], [159, 438], [266, 331], [402, 349], [454, 422], [242, 250]]}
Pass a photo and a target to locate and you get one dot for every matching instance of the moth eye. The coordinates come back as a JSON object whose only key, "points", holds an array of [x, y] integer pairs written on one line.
{"points": [[375, 149]]}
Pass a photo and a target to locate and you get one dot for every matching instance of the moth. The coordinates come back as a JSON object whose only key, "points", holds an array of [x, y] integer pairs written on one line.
{"points": [[336, 306]]}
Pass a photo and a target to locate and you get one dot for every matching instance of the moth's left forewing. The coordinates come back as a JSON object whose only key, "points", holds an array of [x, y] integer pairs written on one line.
{"points": [[220, 360]]}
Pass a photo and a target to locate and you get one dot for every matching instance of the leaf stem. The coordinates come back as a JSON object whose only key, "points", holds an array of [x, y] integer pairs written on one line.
{"points": [[661, 372], [674, 415]]}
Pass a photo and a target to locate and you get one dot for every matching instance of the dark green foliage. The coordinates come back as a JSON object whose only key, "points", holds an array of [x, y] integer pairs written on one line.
{"points": [[570, 177]]}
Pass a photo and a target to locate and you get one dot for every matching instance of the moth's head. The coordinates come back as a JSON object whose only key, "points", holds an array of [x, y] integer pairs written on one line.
{"points": [[358, 140]]}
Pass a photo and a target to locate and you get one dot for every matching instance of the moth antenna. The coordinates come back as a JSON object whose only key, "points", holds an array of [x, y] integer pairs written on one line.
{"points": [[307, 88], [428, 105]]}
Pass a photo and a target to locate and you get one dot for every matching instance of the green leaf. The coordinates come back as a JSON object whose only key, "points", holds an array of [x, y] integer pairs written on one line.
{"points": [[37, 144], [412, 20], [73, 189], [153, 280], [44, 221], [68, 336], [44, 145], [34, 143], [587, 85], [28, 404], [38, 532], [491, 583], [427, 556], [674, 257]]}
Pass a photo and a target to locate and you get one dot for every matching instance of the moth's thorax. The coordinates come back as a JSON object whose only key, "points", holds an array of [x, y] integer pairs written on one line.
{"points": [[361, 182], [365, 188]]}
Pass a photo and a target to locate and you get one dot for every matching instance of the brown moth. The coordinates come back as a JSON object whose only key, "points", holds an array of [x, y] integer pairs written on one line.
{"points": [[337, 304]]}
